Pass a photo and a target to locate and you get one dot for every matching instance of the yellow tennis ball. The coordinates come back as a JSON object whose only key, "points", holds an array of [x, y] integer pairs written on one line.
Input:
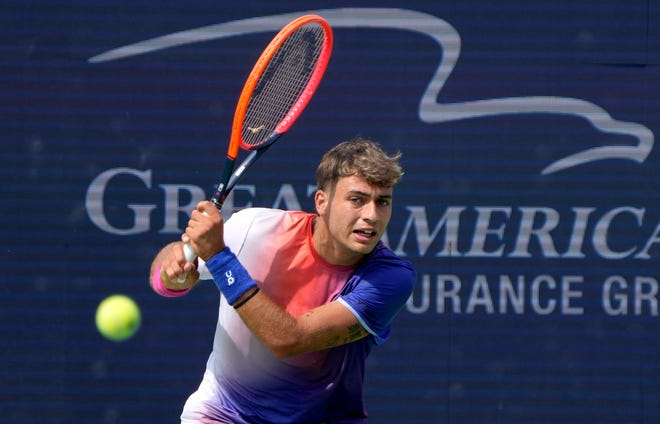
{"points": [[118, 317]]}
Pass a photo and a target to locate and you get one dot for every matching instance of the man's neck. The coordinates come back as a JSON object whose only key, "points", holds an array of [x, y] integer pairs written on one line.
{"points": [[329, 249]]}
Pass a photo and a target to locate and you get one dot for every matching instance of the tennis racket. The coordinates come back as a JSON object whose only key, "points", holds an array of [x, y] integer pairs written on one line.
{"points": [[276, 92]]}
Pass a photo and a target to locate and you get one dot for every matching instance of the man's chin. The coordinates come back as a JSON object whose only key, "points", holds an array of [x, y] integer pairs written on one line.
{"points": [[364, 248]]}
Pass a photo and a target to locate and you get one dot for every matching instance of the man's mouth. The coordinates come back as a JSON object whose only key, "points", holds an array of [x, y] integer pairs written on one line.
{"points": [[365, 233]]}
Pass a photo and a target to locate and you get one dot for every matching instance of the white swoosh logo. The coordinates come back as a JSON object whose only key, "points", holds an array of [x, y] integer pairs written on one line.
{"points": [[430, 110]]}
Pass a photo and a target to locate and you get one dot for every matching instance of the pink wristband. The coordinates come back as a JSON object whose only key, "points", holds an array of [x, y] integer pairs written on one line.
{"points": [[160, 288]]}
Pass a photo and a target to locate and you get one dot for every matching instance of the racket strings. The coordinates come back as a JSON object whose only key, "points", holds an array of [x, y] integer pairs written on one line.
{"points": [[282, 83]]}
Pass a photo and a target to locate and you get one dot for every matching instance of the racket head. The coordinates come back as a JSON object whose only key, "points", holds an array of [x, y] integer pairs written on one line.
{"points": [[281, 83]]}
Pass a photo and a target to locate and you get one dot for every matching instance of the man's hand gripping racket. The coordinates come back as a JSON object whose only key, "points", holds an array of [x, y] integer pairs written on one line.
{"points": [[276, 92]]}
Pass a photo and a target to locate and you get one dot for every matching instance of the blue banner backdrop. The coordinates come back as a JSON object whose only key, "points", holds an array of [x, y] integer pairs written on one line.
{"points": [[529, 205]]}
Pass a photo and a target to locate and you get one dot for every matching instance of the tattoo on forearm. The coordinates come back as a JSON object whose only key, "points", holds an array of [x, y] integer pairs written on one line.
{"points": [[332, 342], [354, 332]]}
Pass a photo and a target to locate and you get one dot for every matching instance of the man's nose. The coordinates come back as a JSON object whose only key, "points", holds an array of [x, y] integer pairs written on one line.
{"points": [[369, 212]]}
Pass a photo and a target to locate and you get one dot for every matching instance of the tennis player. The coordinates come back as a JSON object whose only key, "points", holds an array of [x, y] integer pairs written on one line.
{"points": [[305, 296]]}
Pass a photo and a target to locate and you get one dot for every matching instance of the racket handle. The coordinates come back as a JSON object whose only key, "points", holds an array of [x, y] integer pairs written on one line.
{"points": [[189, 253]]}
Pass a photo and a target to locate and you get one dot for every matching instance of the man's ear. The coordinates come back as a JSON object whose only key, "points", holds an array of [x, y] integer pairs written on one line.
{"points": [[321, 200]]}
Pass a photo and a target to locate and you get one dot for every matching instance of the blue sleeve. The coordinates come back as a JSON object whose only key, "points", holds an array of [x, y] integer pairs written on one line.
{"points": [[377, 292]]}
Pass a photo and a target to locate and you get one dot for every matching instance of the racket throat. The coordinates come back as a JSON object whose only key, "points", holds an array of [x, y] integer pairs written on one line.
{"points": [[221, 192]]}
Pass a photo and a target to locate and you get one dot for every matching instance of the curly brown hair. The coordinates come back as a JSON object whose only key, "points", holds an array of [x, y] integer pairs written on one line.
{"points": [[362, 157]]}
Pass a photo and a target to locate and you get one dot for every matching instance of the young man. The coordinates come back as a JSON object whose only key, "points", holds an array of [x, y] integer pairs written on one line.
{"points": [[305, 296]]}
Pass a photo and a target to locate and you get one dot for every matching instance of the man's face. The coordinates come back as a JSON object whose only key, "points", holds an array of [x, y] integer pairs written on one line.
{"points": [[355, 214]]}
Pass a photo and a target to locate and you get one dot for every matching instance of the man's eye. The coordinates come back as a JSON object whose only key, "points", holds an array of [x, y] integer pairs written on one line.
{"points": [[384, 202]]}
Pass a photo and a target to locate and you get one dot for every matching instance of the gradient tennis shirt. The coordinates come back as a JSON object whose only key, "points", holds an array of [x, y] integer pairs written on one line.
{"points": [[244, 382]]}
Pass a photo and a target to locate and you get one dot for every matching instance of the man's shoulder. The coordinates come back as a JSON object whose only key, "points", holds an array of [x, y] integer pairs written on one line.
{"points": [[383, 263], [248, 214], [263, 221], [252, 211], [258, 213], [382, 255]]}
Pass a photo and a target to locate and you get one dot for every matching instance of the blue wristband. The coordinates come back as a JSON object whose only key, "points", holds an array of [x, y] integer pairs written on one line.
{"points": [[229, 275]]}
